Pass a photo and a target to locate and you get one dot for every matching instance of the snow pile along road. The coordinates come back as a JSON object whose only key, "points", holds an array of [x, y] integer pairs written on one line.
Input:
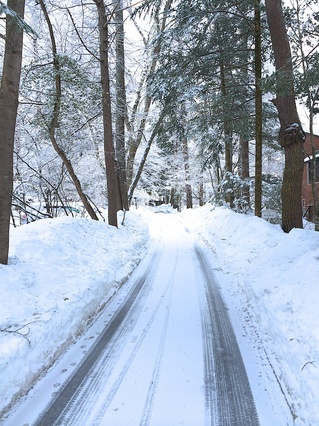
{"points": [[272, 278], [61, 273]]}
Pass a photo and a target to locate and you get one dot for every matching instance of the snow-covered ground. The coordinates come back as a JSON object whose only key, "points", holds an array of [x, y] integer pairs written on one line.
{"points": [[272, 279], [62, 272]]}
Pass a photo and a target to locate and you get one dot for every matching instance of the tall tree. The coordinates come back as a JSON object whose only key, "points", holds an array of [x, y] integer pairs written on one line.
{"points": [[228, 137], [244, 138], [9, 99], [185, 152], [258, 108], [291, 135], [120, 108], [109, 152]]}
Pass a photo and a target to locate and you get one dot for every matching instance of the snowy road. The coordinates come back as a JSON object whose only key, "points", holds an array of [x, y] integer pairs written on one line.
{"points": [[163, 353]]}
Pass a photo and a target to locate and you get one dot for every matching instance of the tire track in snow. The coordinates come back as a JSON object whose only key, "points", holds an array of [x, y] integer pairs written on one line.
{"points": [[83, 409], [228, 397], [211, 408], [145, 419], [166, 296], [69, 399]]}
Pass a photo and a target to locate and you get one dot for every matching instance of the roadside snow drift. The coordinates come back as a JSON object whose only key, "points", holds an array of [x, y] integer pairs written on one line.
{"points": [[273, 280], [61, 272]]}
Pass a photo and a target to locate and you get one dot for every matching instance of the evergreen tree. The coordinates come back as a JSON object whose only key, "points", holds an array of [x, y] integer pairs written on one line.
{"points": [[206, 63]]}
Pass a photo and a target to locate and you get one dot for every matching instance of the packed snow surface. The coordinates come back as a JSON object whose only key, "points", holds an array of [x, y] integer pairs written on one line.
{"points": [[62, 272]]}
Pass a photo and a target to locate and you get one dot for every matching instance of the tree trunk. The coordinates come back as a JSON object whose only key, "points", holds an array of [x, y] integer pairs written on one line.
{"points": [[291, 135], [244, 170], [185, 152], [111, 177], [201, 192], [188, 187], [314, 177], [258, 108], [9, 100], [174, 198], [55, 119], [120, 108], [229, 198]]}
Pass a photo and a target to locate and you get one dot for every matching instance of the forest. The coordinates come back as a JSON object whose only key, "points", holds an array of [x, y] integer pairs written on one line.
{"points": [[107, 105]]}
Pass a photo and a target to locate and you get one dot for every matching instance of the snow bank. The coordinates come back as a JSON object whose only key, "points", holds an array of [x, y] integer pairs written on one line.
{"points": [[61, 273], [274, 279]]}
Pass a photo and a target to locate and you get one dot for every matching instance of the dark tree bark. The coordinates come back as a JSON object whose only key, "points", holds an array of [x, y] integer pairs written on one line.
{"points": [[244, 169], [9, 99], [201, 192], [243, 163], [188, 187], [227, 135], [258, 108], [120, 109], [291, 135], [111, 176], [185, 152], [55, 119]]}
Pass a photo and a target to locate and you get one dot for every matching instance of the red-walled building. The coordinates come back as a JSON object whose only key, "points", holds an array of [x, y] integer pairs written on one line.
{"points": [[307, 196]]}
